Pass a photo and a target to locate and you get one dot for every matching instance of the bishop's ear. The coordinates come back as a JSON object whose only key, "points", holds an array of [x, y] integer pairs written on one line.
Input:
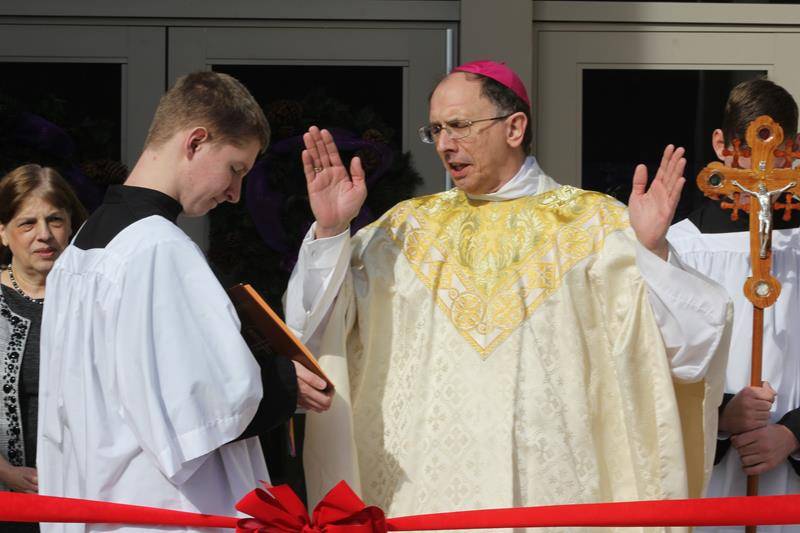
{"points": [[515, 128], [3, 239], [718, 143]]}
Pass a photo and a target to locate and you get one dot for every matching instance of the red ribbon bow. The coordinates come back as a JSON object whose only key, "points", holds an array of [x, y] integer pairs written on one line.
{"points": [[278, 509]]}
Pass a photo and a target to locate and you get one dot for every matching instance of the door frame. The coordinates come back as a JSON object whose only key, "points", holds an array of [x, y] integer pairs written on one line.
{"points": [[564, 50], [138, 49]]}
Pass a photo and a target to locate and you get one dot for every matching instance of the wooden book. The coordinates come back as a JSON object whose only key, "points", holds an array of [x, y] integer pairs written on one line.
{"points": [[266, 333]]}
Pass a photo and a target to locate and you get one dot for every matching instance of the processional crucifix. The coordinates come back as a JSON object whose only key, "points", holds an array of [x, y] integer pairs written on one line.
{"points": [[764, 183]]}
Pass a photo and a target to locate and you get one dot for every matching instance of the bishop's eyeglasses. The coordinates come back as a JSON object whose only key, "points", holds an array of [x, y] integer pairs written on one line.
{"points": [[456, 129]]}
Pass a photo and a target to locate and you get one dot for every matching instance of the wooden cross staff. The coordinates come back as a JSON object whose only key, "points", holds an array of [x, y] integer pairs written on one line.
{"points": [[764, 183]]}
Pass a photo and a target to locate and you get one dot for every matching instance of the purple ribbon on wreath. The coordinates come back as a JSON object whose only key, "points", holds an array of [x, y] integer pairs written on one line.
{"points": [[48, 138]]}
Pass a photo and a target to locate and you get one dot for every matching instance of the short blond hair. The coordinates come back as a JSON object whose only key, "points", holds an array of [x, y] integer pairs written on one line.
{"points": [[213, 100]]}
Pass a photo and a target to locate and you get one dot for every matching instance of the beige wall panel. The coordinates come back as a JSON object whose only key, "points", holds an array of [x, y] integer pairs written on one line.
{"points": [[499, 30]]}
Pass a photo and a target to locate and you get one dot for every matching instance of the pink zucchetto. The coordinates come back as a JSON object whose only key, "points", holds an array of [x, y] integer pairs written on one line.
{"points": [[500, 73]]}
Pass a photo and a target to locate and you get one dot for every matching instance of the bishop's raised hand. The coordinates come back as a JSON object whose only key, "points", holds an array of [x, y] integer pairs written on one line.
{"points": [[651, 209], [336, 196]]}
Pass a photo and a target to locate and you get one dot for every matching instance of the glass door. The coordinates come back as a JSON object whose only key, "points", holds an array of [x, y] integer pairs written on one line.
{"points": [[608, 100], [369, 85]]}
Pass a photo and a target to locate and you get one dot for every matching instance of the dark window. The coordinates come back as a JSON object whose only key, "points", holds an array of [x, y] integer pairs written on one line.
{"points": [[64, 115], [629, 116], [257, 239]]}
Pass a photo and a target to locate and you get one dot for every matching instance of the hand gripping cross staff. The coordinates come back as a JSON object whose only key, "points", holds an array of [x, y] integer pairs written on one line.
{"points": [[764, 183]]}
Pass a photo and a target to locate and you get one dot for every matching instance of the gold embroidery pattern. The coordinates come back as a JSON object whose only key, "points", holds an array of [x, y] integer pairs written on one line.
{"points": [[491, 264]]}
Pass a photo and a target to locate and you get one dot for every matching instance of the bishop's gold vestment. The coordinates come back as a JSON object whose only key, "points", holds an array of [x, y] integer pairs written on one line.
{"points": [[496, 354]]}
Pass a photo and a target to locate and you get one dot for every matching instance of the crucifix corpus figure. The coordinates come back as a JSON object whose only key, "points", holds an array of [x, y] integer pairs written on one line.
{"points": [[765, 200]]}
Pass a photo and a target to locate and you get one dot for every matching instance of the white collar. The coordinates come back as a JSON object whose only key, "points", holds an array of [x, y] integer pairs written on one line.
{"points": [[530, 179]]}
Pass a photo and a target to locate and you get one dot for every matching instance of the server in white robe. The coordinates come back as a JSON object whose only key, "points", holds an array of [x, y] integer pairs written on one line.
{"points": [[759, 428], [149, 395]]}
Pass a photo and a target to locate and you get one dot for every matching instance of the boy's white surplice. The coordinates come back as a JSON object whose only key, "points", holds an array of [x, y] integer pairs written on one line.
{"points": [[518, 348], [138, 401], [725, 257]]}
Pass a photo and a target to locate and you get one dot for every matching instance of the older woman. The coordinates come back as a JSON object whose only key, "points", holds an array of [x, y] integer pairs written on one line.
{"points": [[38, 214]]}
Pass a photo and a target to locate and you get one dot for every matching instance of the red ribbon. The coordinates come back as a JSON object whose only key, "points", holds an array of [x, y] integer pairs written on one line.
{"points": [[279, 509], [738, 511], [17, 507]]}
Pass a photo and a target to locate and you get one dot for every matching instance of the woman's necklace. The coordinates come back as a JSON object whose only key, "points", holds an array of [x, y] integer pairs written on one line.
{"points": [[19, 290]]}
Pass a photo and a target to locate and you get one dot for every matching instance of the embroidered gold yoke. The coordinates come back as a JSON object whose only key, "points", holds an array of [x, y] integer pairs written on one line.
{"points": [[490, 264]]}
